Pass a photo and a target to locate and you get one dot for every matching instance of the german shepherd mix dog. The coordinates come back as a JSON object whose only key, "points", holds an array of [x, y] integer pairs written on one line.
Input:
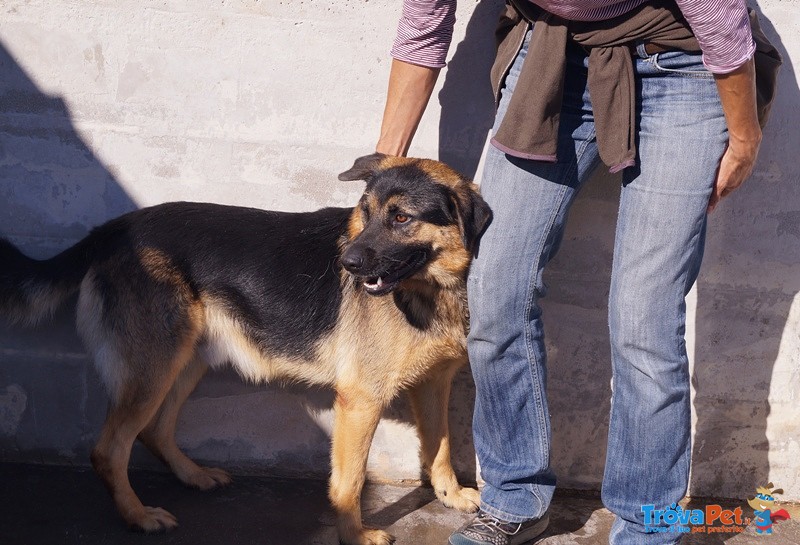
{"points": [[369, 300]]}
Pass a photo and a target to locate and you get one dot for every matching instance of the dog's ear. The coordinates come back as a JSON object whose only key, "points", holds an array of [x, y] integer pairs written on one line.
{"points": [[364, 168], [472, 213]]}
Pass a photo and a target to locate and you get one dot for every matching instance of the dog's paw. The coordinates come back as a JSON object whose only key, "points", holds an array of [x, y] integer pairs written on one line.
{"points": [[153, 520], [369, 536], [208, 478], [466, 500]]}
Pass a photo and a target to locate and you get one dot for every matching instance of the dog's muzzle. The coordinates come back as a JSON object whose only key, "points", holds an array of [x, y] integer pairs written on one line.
{"points": [[383, 282]]}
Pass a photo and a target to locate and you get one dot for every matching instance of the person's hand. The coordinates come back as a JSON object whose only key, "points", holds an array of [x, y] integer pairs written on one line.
{"points": [[735, 167], [737, 93]]}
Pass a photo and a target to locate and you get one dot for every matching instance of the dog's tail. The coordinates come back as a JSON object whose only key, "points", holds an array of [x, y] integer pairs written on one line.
{"points": [[31, 290]]}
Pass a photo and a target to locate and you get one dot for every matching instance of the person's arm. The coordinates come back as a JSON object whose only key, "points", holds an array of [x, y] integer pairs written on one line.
{"points": [[737, 92], [420, 48], [722, 28], [410, 88]]}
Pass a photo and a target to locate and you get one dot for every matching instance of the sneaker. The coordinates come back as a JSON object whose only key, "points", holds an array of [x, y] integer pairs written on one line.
{"points": [[487, 530]]}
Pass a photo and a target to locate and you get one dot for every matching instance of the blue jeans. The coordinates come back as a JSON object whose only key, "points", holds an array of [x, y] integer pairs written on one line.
{"points": [[658, 248]]}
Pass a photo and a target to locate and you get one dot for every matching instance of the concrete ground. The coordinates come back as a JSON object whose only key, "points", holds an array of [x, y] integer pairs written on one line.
{"points": [[45, 505]]}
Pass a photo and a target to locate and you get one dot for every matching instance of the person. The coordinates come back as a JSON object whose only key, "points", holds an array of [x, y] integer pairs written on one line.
{"points": [[695, 139]]}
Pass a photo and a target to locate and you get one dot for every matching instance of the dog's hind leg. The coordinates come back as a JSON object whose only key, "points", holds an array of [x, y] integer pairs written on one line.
{"points": [[159, 435], [429, 401], [127, 416], [356, 418], [148, 378], [142, 319]]}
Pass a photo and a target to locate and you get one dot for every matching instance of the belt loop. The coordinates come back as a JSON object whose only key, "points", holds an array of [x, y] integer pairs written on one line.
{"points": [[640, 50]]}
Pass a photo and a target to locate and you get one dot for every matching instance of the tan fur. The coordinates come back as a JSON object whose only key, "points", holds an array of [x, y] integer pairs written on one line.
{"points": [[437, 170], [441, 172], [452, 260], [356, 225], [160, 267]]}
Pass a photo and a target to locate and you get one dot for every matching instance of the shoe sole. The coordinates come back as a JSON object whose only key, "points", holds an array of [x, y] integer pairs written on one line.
{"points": [[529, 534]]}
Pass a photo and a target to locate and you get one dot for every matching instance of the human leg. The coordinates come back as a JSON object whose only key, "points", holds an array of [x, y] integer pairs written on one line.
{"points": [[530, 201], [657, 254]]}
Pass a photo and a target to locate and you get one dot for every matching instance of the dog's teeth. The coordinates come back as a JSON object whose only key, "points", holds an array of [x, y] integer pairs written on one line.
{"points": [[374, 285]]}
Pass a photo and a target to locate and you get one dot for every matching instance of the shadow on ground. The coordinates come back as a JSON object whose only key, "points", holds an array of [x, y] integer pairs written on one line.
{"points": [[45, 505]]}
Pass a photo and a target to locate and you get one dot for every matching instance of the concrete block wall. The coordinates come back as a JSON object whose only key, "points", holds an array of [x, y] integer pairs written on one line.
{"points": [[107, 106]]}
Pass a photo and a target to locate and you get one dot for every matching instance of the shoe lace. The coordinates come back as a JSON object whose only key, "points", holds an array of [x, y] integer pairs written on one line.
{"points": [[491, 523]]}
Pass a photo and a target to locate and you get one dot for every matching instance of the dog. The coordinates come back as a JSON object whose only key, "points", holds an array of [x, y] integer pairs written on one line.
{"points": [[369, 300]]}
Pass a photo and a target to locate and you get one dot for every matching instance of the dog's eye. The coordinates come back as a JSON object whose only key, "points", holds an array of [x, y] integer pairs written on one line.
{"points": [[401, 218]]}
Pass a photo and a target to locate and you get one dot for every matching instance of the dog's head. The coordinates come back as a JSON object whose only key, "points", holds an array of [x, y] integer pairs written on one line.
{"points": [[418, 220]]}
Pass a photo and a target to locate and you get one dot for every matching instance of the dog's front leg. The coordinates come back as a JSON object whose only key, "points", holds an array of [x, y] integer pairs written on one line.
{"points": [[429, 400], [356, 417]]}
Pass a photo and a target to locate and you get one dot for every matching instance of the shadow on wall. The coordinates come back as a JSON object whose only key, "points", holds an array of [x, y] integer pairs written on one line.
{"points": [[744, 296], [52, 190], [466, 100], [48, 174]]}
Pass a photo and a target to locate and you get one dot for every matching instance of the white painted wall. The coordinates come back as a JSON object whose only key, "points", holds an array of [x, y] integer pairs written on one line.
{"points": [[110, 105]]}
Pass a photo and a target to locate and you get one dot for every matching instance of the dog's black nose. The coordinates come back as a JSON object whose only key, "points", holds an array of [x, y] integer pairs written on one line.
{"points": [[353, 261]]}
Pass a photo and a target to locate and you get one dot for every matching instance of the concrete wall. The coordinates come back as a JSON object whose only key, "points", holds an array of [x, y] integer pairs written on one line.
{"points": [[106, 106]]}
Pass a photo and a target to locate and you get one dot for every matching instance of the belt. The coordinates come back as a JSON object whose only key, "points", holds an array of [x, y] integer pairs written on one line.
{"points": [[652, 49]]}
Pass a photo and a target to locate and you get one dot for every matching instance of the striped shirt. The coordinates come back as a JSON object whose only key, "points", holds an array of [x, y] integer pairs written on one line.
{"points": [[722, 27]]}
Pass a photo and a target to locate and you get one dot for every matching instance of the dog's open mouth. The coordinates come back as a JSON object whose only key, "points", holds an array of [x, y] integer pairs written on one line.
{"points": [[381, 285]]}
